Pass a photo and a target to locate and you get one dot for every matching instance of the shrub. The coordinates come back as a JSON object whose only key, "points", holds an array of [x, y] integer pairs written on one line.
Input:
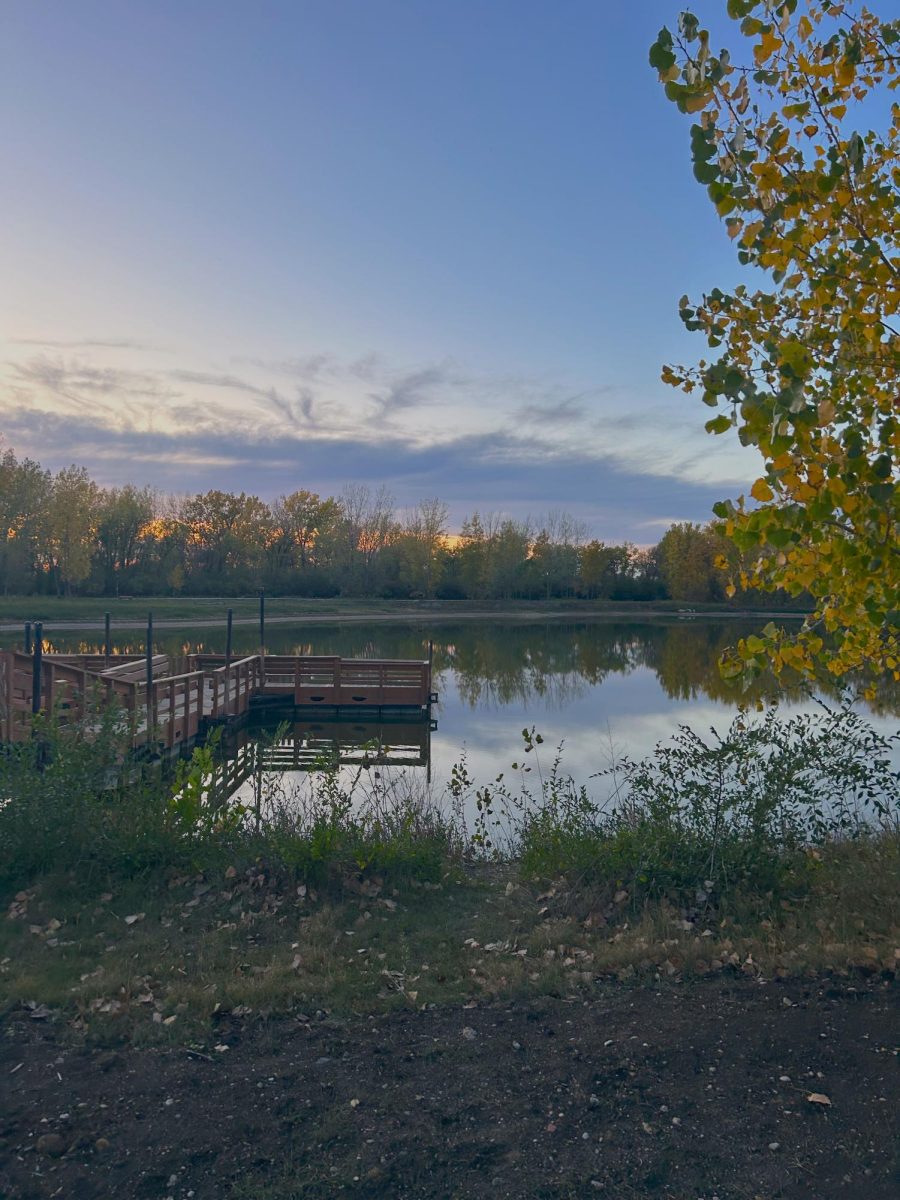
{"points": [[702, 818]]}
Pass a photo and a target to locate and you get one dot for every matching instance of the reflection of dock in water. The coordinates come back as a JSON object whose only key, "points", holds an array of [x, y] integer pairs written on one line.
{"points": [[309, 745]]}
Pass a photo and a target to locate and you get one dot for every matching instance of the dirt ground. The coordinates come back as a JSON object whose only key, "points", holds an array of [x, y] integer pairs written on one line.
{"points": [[699, 1091]]}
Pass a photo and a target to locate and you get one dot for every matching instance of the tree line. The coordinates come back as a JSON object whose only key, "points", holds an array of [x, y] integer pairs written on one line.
{"points": [[64, 534]]}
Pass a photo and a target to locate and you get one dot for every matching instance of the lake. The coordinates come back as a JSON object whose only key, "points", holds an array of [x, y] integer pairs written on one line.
{"points": [[602, 687]]}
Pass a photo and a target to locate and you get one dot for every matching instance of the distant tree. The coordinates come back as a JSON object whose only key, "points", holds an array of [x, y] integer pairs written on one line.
{"points": [[687, 558], [302, 524], [70, 526], [227, 536], [422, 546], [24, 493], [122, 515]]}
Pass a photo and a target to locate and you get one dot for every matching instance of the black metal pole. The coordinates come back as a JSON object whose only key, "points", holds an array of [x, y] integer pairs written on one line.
{"points": [[107, 641], [262, 622], [27, 637], [149, 670], [36, 667], [228, 626]]}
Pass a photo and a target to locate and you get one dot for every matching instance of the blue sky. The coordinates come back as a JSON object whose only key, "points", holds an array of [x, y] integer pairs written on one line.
{"points": [[292, 244]]}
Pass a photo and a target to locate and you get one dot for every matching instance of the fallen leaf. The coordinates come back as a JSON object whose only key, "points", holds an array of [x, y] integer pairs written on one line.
{"points": [[134, 918], [469, 1033], [818, 1098]]}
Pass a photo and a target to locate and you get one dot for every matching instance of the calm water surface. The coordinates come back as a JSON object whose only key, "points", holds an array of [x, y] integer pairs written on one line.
{"points": [[600, 687]]}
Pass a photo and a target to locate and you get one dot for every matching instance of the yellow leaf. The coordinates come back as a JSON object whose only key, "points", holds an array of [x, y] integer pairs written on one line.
{"points": [[846, 72], [761, 491], [768, 44]]}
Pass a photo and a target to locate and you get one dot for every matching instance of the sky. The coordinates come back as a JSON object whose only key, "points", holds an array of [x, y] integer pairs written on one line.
{"points": [[303, 243]]}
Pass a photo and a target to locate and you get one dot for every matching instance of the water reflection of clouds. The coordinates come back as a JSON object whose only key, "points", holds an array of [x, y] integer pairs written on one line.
{"points": [[625, 715]]}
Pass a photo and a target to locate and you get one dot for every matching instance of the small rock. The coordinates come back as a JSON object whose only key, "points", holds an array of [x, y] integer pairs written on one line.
{"points": [[52, 1144], [774, 1145], [469, 1033]]}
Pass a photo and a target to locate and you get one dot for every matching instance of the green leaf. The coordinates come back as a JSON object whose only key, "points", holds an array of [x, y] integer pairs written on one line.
{"points": [[661, 56], [718, 424]]}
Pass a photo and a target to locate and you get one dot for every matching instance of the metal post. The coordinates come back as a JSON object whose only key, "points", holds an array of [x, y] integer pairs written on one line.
{"points": [[107, 642], [228, 661], [149, 672], [27, 637], [36, 667], [262, 635]]}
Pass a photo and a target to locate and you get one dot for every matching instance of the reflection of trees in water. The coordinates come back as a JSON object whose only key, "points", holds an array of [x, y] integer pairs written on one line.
{"points": [[497, 663], [552, 663]]}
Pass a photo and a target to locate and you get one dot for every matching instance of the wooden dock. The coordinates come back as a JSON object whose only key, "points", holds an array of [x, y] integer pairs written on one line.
{"points": [[166, 704]]}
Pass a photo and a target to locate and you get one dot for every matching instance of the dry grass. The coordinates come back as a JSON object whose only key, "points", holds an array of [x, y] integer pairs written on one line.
{"points": [[242, 945]]}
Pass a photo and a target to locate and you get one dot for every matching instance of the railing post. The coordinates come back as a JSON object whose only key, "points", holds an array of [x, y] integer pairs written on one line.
{"points": [[262, 630], [107, 639], [27, 637], [36, 667]]}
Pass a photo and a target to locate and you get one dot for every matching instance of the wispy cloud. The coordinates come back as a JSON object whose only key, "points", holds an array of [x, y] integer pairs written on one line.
{"points": [[513, 443], [87, 343], [562, 412]]}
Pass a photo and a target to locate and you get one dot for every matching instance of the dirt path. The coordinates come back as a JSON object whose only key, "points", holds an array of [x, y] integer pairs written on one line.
{"points": [[694, 1092]]}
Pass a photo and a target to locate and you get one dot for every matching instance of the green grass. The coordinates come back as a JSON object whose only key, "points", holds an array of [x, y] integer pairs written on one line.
{"points": [[18, 609]]}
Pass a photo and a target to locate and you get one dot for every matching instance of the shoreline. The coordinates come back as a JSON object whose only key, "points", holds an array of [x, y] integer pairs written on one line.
{"points": [[431, 616]]}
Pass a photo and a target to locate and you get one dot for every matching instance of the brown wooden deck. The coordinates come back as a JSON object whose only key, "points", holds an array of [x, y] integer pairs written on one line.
{"points": [[184, 696]]}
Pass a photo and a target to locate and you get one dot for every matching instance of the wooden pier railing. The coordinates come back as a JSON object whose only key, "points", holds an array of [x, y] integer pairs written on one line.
{"points": [[173, 708], [355, 683], [329, 681]]}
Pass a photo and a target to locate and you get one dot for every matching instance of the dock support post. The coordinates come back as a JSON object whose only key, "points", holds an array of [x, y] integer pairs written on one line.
{"points": [[107, 638], [27, 637], [36, 667]]}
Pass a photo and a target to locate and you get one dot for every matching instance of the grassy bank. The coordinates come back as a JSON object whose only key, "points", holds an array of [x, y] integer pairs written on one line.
{"points": [[80, 610], [159, 958], [149, 903]]}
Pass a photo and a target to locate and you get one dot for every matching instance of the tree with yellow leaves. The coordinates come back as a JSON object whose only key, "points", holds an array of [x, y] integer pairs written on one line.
{"points": [[807, 368]]}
